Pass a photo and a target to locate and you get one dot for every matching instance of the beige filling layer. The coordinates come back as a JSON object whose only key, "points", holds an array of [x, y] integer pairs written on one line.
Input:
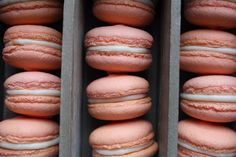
{"points": [[124, 150], [46, 92], [34, 42], [214, 98], [29, 146]]}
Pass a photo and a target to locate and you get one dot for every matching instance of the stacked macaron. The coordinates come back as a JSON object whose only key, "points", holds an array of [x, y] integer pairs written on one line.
{"points": [[120, 98], [34, 94], [210, 99]]}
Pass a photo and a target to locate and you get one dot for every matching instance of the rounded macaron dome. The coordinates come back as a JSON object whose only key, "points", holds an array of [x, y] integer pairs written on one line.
{"points": [[211, 13], [208, 52], [204, 139], [29, 137], [124, 139], [20, 12], [118, 97], [210, 98], [118, 49], [33, 94], [32, 47], [128, 12]]}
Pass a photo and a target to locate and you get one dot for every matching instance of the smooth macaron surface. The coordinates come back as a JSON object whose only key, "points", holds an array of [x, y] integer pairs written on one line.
{"points": [[128, 12], [205, 139], [33, 94], [210, 98], [208, 52], [118, 97], [118, 49], [20, 12], [32, 47], [22, 136], [124, 139], [211, 13]]}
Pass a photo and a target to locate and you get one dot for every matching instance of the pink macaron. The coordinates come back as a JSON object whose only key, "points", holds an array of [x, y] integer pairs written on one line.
{"points": [[129, 12], [210, 98], [32, 47], [33, 94], [211, 13], [208, 52], [118, 97], [19, 12], [29, 137], [118, 49], [124, 139], [203, 139]]}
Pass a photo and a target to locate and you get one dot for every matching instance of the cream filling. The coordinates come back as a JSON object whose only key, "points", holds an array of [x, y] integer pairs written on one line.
{"points": [[8, 2], [119, 48], [214, 98], [198, 150], [47, 92], [230, 51], [35, 42], [111, 100], [123, 151], [147, 2], [29, 146]]}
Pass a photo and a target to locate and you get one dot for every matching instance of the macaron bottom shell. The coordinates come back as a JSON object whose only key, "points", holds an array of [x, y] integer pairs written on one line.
{"points": [[47, 152], [211, 13], [210, 111], [32, 57], [148, 152], [183, 152], [120, 110], [207, 62], [119, 62], [123, 12], [36, 106], [32, 12]]}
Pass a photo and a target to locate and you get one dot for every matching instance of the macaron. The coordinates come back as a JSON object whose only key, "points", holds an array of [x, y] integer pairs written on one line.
{"points": [[118, 97], [28, 137], [203, 139], [32, 47], [128, 12], [124, 139], [118, 49], [208, 52], [211, 13], [210, 98], [20, 12], [33, 94]]}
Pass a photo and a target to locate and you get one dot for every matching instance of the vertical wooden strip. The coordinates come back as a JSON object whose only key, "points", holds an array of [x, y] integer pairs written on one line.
{"points": [[71, 76], [169, 89]]}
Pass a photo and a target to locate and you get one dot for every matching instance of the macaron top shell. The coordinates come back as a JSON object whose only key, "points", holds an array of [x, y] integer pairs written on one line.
{"points": [[117, 86], [208, 38], [33, 32], [126, 133], [207, 136], [118, 34], [33, 80], [27, 130], [214, 84]]}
